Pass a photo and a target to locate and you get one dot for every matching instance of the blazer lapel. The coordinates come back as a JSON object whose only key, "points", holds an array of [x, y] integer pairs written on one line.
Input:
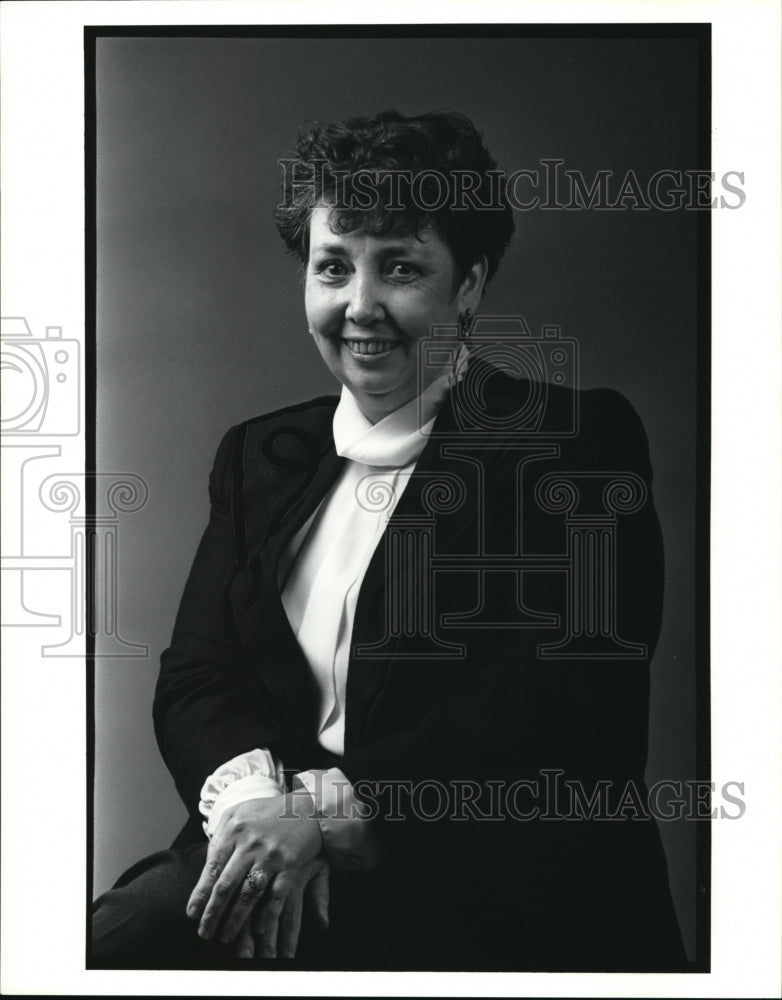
{"points": [[287, 469], [436, 513]]}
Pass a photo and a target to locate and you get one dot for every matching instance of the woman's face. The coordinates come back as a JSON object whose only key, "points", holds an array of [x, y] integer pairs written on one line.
{"points": [[371, 299]]}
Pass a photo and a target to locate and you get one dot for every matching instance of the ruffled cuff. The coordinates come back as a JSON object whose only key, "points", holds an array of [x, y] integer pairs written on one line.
{"points": [[349, 838], [251, 775]]}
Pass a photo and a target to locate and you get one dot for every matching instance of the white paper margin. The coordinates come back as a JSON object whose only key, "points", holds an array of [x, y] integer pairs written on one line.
{"points": [[43, 762]]}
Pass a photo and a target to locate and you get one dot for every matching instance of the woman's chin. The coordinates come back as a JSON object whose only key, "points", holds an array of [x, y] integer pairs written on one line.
{"points": [[374, 372], [372, 387]]}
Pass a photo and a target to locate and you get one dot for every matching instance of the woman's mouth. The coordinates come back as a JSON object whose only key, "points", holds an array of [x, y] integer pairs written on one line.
{"points": [[367, 347]]}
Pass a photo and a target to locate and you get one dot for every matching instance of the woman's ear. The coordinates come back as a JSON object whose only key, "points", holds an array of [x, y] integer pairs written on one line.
{"points": [[471, 288]]}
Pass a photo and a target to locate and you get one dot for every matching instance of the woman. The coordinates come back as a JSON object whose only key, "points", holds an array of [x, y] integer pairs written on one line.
{"points": [[390, 657]]}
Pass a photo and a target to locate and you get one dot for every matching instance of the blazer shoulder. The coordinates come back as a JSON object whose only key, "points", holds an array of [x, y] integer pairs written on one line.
{"points": [[311, 409], [298, 430], [312, 418], [593, 427], [610, 417], [609, 434]]}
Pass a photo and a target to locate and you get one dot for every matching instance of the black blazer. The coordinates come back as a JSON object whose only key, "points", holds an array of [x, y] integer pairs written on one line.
{"points": [[508, 675]]}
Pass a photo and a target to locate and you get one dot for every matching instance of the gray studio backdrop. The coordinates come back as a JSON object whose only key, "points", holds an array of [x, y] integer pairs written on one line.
{"points": [[201, 321]]}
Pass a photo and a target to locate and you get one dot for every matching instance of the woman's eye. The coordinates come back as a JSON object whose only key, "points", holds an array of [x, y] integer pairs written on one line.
{"points": [[401, 269], [331, 269]]}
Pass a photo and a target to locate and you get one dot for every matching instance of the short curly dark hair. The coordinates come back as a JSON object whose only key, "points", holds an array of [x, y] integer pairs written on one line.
{"points": [[400, 173]]}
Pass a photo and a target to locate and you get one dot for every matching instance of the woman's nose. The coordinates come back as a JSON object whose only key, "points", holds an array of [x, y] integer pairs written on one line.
{"points": [[365, 304]]}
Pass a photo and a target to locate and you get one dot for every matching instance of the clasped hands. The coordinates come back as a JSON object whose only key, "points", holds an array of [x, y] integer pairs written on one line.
{"points": [[279, 840]]}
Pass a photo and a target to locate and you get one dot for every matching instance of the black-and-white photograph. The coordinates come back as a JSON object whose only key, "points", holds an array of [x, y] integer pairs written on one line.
{"points": [[402, 347], [390, 531]]}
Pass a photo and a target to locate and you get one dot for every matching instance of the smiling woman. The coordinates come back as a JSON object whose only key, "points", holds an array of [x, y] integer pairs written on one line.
{"points": [[383, 654], [379, 279], [371, 301]]}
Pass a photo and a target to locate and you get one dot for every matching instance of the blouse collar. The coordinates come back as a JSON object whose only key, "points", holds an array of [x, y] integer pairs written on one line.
{"points": [[396, 440]]}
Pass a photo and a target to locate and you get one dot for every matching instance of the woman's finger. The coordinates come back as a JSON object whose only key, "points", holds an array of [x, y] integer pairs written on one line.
{"points": [[290, 922], [216, 859], [253, 886], [223, 892], [245, 945], [317, 893], [267, 915]]}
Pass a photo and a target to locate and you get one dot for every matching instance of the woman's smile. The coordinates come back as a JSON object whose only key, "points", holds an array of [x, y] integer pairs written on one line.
{"points": [[376, 349]]}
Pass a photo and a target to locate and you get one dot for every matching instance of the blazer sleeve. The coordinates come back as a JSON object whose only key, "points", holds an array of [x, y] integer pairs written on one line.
{"points": [[206, 710], [523, 712]]}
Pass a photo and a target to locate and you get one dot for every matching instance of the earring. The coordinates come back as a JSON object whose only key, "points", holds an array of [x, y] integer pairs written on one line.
{"points": [[465, 324]]}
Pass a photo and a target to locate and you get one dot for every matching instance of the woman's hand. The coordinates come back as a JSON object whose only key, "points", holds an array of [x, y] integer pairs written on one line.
{"points": [[261, 848], [278, 931]]}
